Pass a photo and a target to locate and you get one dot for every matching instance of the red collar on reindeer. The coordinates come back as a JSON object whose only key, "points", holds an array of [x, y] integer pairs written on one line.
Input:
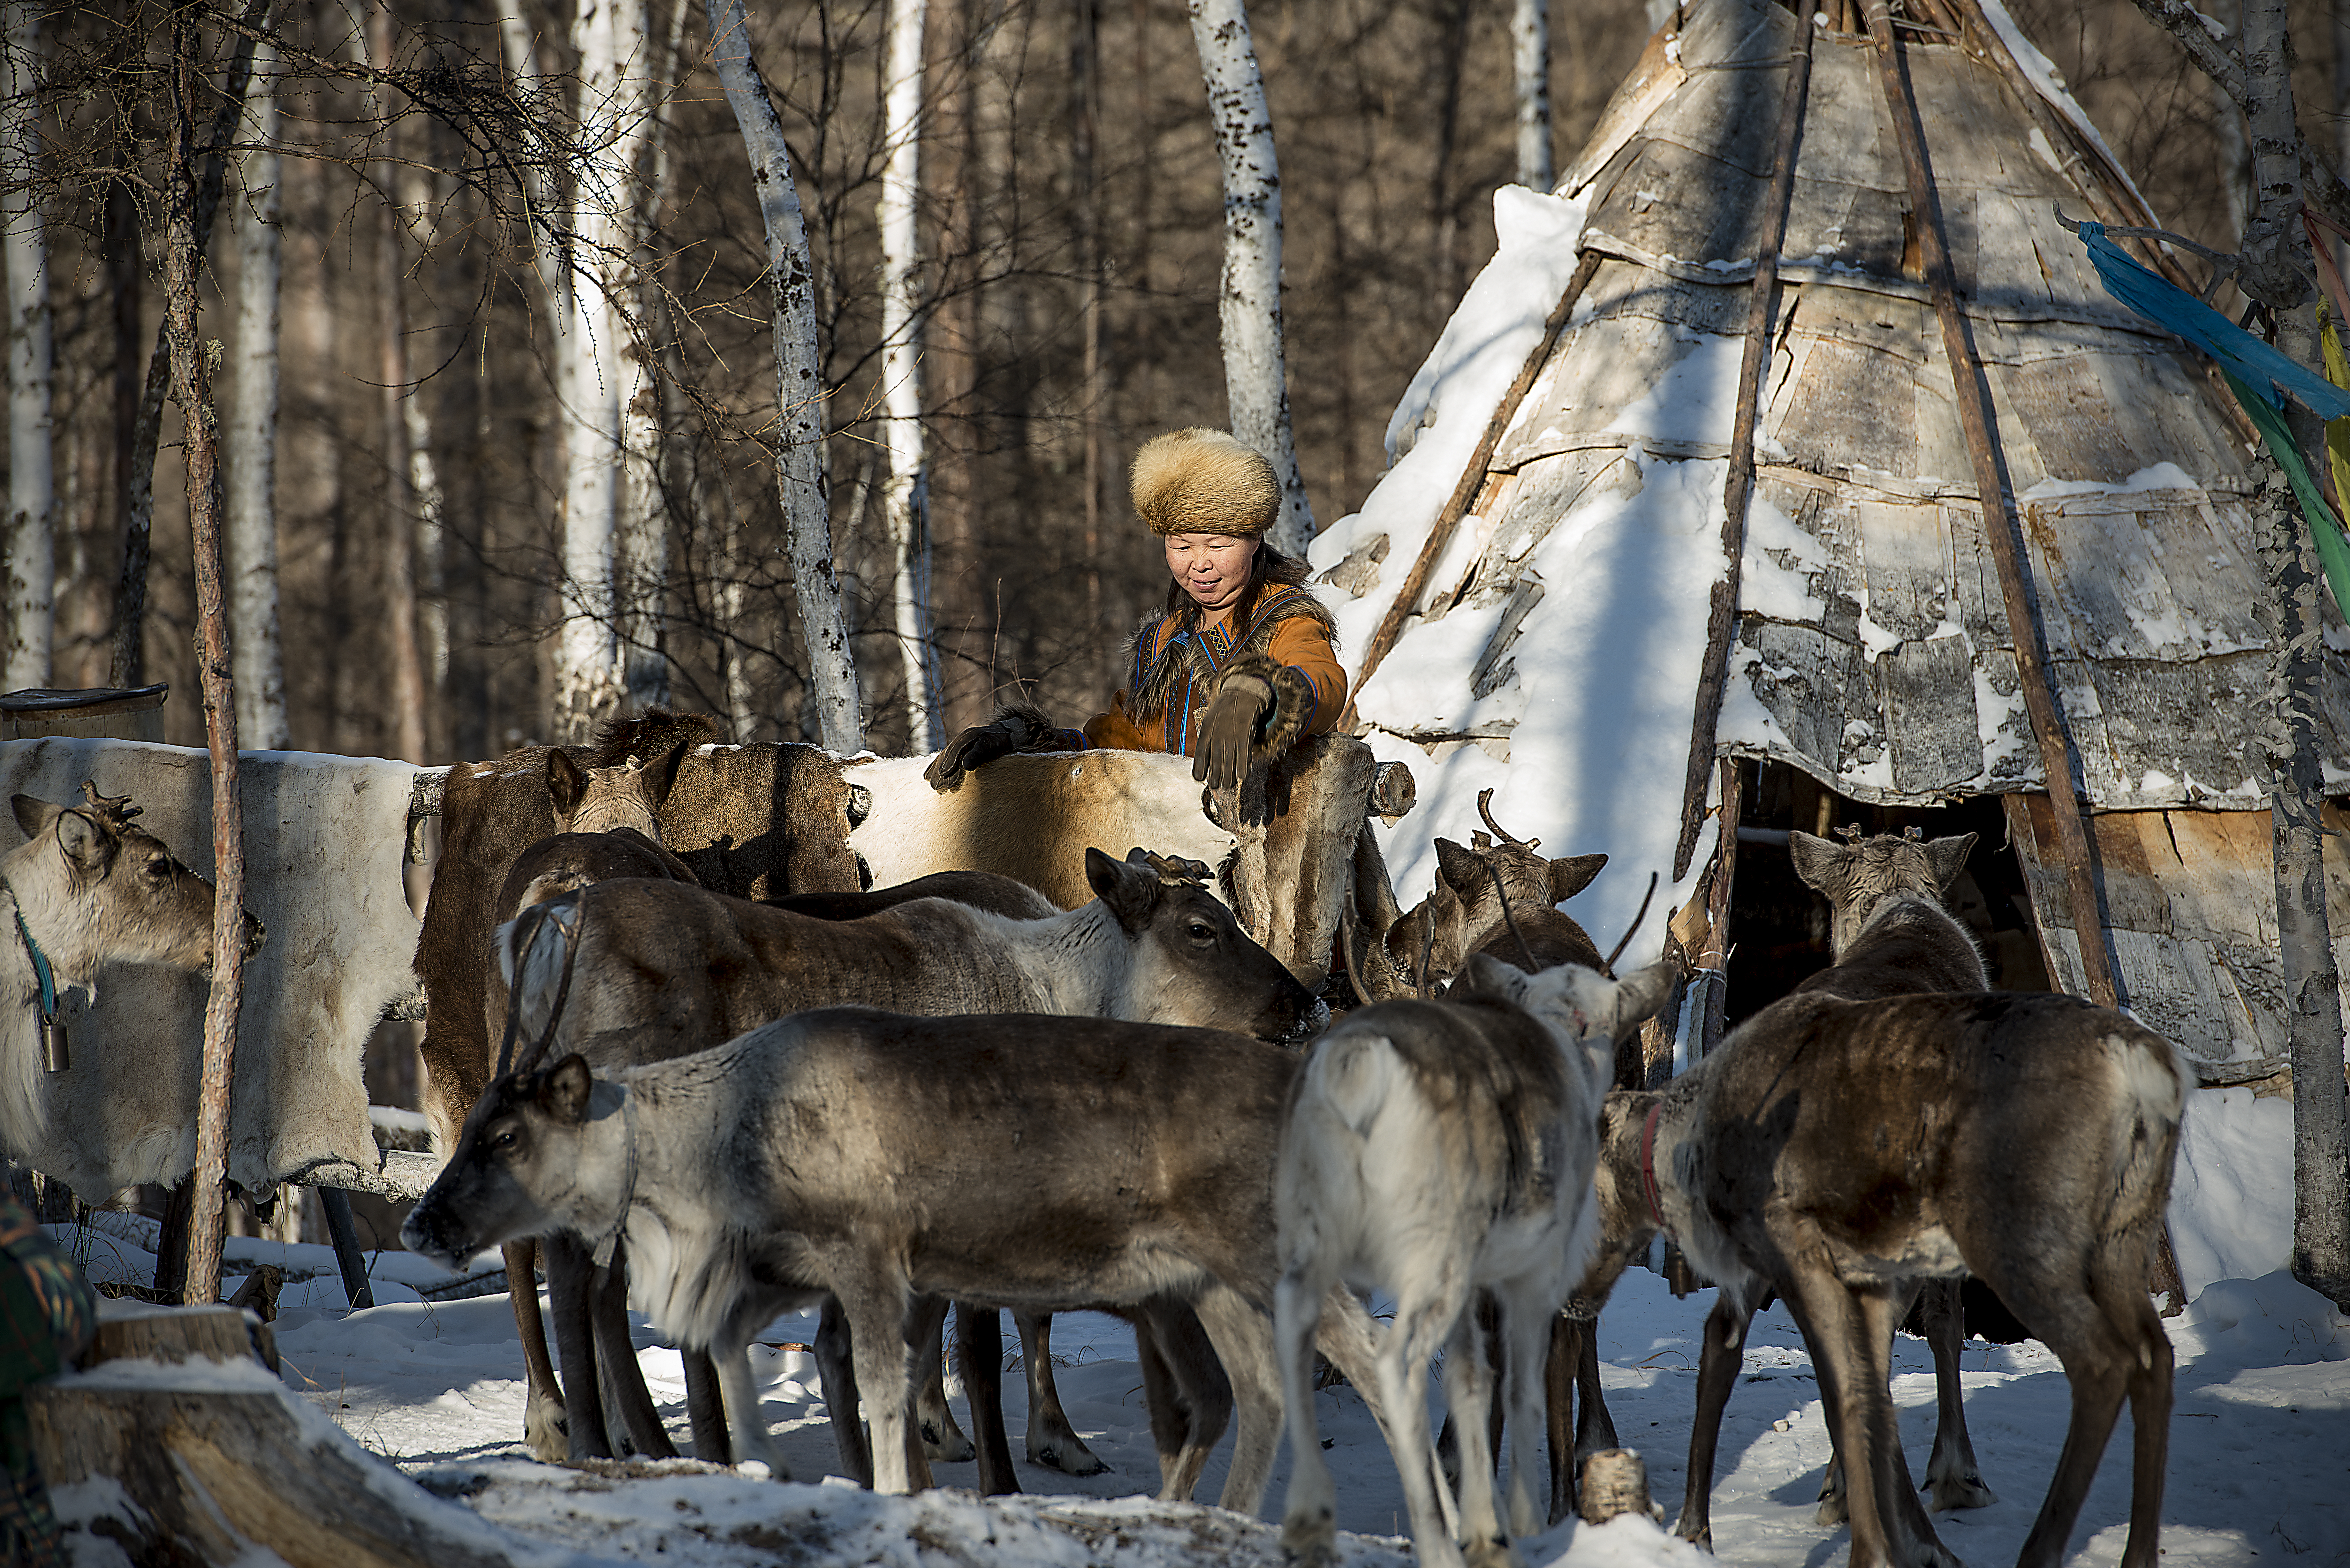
{"points": [[1648, 1166]]}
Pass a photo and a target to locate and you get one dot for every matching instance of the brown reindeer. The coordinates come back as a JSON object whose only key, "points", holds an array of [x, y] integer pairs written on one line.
{"points": [[87, 887], [1479, 891]]}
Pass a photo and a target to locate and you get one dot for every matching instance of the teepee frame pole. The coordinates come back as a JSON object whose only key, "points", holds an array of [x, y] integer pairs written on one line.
{"points": [[1472, 479], [2001, 526], [1722, 613]]}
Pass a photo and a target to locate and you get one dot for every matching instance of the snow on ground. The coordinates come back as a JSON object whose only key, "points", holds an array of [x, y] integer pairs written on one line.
{"points": [[2260, 1442]]}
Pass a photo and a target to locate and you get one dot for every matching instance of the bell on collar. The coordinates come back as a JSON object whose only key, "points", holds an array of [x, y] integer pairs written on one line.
{"points": [[55, 1056]]}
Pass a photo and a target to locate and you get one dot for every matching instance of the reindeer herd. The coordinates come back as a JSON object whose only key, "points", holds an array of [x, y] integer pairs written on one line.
{"points": [[718, 1107]]}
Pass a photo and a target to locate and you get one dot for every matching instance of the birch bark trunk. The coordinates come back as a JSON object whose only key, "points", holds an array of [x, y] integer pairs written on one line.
{"points": [[800, 481], [252, 445], [2312, 984], [1257, 384], [643, 546], [31, 547], [905, 490], [1530, 54], [192, 388]]}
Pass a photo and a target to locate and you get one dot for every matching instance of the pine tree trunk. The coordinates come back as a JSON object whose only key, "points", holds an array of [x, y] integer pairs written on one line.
{"points": [[31, 546], [1530, 53], [951, 363], [1256, 385], [643, 544], [251, 454], [904, 494], [406, 737], [192, 388], [2272, 242], [800, 481]]}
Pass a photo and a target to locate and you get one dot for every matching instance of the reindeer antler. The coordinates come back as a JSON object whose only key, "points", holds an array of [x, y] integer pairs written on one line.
{"points": [[114, 811], [1850, 833], [1175, 869], [1485, 810]]}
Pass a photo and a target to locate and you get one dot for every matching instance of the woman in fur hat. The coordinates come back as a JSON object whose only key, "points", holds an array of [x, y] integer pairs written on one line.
{"points": [[1238, 668]]}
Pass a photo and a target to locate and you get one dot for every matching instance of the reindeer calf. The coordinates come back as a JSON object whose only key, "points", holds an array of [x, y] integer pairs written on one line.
{"points": [[1434, 1148]]}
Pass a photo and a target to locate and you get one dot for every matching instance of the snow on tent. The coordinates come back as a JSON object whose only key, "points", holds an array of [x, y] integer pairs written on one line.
{"points": [[1544, 549]]}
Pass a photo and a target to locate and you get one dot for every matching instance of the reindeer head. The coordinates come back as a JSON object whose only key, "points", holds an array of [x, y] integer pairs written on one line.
{"points": [[1857, 879], [1464, 910], [94, 887], [537, 1154], [1188, 961], [599, 800]]}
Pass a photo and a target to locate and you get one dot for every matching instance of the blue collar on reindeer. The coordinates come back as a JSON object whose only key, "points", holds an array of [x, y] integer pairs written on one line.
{"points": [[41, 970]]}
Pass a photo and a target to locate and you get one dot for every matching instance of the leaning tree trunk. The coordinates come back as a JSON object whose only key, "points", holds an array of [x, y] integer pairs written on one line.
{"points": [[800, 480], [1256, 385], [251, 455], [131, 594], [31, 549], [1530, 52], [2312, 984], [192, 389], [641, 546], [903, 493]]}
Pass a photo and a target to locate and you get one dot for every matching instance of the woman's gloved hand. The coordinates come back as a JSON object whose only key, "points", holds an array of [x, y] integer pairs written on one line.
{"points": [[1011, 730], [1228, 730]]}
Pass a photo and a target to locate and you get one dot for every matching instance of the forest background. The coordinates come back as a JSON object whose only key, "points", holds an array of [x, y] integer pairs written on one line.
{"points": [[1070, 228]]}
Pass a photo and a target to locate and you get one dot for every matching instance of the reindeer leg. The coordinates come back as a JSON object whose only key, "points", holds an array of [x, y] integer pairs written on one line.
{"points": [[837, 1367], [878, 1310], [1052, 1442], [1952, 1477], [543, 1425], [1566, 1335], [979, 1355], [2112, 1344], [751, 1439], [1189, 1396], [1420, 1325], [567, 1291], [609, 1301], [1717, 1373], [1241, 1333], [1448, 1443], [1309, 1519], [1527, 1321], [1469, 1395], [705, 1407], [942, 1440]]}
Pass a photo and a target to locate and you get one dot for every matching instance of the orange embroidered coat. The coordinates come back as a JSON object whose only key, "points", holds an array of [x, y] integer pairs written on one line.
{"points": [[1174, 669]]}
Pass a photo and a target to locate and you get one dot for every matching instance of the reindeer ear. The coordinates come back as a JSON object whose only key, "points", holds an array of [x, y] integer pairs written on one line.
{"points": [[661, 777], [566, 1088], [33, 814], [1948, 858], [1485, 975], [1823, 865], [1460, 868], [1571, 874], [1641, 995], [565, 782], [1128, 887], [88, 847]]}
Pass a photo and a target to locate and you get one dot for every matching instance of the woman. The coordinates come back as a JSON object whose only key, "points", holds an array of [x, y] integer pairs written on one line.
{"points": [[1238, 668]]}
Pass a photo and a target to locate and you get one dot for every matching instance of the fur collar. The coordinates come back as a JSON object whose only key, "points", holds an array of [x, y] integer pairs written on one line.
{"points": [[1166, 648]]}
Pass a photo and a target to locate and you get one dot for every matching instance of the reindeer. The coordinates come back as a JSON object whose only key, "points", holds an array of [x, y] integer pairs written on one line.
{"points": [[663, 969], [1436, 1150], [87, 888], [801, 1160], [1839, 1152]]}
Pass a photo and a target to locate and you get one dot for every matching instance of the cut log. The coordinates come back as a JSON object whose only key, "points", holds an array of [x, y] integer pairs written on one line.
{"points": [[212, 1475], [220, 1333]]}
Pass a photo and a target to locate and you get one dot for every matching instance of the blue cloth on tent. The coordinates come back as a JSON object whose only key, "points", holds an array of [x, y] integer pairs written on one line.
{"points": [[2250, 361]]}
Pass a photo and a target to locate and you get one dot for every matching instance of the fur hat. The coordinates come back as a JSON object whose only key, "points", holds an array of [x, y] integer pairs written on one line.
{"points": [[1204, 482]]}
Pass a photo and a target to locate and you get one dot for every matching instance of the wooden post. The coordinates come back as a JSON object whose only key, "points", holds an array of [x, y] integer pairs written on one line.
{"points": [[192, 387], [1472, 479], [1999, 522], [1722, 612], [1713, 957]]}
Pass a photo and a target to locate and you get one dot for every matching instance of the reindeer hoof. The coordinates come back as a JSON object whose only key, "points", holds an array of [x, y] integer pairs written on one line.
{"points": [[1312, 1541], [547, 1431], [1832, 1510], [953, 1448], [1077, 1461], [1496, 1552], [1960, 1491]]}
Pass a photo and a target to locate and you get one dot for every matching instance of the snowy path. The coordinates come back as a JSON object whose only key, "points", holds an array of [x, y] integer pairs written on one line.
{"points": [[2260, 1465]]}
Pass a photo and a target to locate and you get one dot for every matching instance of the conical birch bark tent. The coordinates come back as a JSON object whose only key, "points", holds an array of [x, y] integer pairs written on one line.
{"points": [[1533, 581]]}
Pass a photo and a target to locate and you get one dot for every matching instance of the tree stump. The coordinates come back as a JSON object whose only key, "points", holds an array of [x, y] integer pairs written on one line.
{"points": [[212, 1473], [1614, 1481]]}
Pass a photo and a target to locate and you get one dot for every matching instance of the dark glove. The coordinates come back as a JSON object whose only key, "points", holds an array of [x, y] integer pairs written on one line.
{"points": [[978, 744], [1227, 731]]}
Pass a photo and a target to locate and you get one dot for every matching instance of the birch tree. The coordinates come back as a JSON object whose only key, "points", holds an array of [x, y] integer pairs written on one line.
{"points": [[641, 544], [32, 563], [251, 444], [1530, 53], [904, 494], [801, 484], [1257, 384]]}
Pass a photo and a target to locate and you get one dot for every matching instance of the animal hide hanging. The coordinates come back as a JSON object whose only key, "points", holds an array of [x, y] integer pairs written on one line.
{"points": [[324, 843]]}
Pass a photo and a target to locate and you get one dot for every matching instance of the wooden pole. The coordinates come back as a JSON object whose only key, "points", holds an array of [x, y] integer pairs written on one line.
{"points": [[192, 388], [2000, 524], [1722, 612], [1472, 479]]}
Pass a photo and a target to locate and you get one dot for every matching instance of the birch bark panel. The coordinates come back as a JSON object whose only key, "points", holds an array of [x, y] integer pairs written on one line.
{"points": [[2064, 403], [1847, 139], [1906, 557], [1810, 683], [2172, 725], [1926, 692], [1851, 405]]}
